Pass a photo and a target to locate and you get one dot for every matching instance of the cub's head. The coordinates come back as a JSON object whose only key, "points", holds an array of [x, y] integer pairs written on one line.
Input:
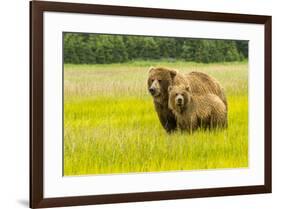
{"points": [[159, 79], [179, 97]]}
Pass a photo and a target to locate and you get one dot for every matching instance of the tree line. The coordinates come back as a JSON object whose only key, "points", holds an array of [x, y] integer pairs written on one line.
{"points": [[102, 49]]}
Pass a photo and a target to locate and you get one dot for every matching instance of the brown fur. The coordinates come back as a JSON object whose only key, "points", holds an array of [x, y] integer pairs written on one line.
{"points": [[198, 82], [201, 83], [207, 111]]}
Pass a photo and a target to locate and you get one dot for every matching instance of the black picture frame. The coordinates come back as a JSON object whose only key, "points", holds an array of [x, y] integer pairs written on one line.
{"points": [[37, 8]]}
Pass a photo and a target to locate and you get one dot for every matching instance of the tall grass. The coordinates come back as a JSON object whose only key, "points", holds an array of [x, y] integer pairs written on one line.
{"points": [[110, 125]]}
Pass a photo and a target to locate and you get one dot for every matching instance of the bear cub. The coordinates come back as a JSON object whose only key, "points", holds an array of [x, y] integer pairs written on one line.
{"points": [[194, 111]]}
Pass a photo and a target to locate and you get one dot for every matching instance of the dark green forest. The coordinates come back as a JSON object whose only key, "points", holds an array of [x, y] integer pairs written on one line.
{"points": [[102, 49]]}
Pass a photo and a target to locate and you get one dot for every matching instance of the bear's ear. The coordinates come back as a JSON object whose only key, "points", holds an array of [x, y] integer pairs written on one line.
{"points": [[187, 88], [173, 73], [150, 69]]}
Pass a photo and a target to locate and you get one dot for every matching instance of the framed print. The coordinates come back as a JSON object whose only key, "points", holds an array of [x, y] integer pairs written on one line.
{"points": [[138, 104]]}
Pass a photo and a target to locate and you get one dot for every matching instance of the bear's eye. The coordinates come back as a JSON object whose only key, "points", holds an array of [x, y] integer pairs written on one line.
{"points": [[177, 94], [159, 81], [152, 80]]}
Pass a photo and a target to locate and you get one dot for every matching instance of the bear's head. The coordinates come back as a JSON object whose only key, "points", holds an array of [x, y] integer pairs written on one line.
{"points": [[179, 97], [159, 80]]}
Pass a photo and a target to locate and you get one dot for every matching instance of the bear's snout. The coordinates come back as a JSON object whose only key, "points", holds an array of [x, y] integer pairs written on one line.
{"points": [[179, 100], [152, 91]]}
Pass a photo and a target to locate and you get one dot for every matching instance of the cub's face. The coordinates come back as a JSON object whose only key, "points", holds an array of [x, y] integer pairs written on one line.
{"points": [[159, 80], [179, 97]]}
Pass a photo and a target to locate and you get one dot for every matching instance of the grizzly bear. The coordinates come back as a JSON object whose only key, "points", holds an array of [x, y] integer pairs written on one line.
{"points": [[161, 78], [193, 111]]}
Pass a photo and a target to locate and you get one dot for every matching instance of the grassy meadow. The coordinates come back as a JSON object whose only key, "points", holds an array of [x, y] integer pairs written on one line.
{"points": [[110, 125]]}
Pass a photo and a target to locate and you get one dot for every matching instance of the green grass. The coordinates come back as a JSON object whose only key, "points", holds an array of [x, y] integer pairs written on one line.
{"points": [[110, 125]]}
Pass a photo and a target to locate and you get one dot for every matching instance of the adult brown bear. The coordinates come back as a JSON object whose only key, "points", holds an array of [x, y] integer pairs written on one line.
{"points": [[161, 78], [193, 111]]}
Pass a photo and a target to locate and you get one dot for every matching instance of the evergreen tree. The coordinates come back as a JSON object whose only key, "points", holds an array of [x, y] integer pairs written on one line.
{"points": [[231, 52], [242, 47], [150, 49], [119, 51], [188, 50], [167, 47]]}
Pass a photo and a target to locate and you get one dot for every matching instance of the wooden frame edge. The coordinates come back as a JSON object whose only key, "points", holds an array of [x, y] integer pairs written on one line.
{"points": [[149, 196], [36, 105], [149, 12], [268, 103]]}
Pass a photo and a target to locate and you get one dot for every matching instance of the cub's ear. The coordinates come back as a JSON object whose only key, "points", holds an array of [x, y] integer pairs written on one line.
{"points": [[187, 88], [170, 88], [150, 69], [173, 73]]}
